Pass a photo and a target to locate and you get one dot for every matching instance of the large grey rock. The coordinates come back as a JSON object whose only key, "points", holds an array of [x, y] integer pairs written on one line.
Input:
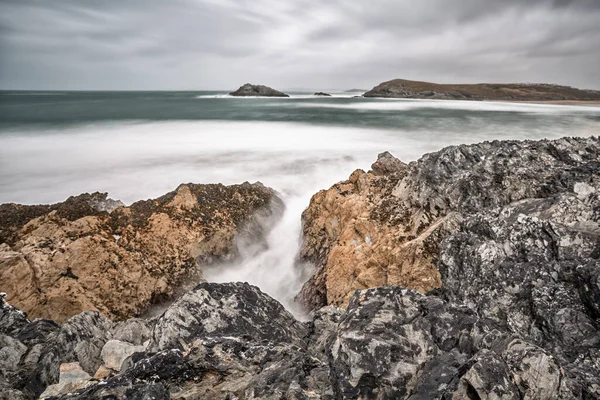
{"points": [[236, 310], [394, 343], [382, 343], [532, 268], [82, 338], [513, 264]]}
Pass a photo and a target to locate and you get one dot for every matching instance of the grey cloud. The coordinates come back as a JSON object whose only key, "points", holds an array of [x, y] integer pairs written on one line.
{"points": [[219, 44]]}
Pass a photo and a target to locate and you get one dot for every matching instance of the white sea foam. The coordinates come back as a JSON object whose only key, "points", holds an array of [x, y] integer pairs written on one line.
{"points": [[415, 104], [213, 96], [138, 160]]}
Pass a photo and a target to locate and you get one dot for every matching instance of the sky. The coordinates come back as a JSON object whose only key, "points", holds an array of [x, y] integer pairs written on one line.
{"points": [[294, 44]]}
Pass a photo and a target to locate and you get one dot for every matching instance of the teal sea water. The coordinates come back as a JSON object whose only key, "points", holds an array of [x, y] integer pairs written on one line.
{"points": [[17, 108], [137, 145]]}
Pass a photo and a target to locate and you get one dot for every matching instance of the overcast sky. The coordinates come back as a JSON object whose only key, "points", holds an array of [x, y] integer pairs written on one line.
{"points": [[321, 44]]}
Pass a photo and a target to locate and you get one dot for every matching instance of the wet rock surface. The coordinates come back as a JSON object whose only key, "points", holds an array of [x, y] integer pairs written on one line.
{"points": [[62, 259], [249, 89]]}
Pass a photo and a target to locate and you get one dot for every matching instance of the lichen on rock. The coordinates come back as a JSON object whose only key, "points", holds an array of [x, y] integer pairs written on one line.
{"points": [[62, 259], [385, 226]]}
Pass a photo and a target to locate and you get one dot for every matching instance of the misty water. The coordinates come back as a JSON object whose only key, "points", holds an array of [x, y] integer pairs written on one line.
{"points": [[139, 145]]}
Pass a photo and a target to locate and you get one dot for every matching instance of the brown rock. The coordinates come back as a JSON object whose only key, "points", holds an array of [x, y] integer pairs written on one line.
{"points": [[103, 373], [385, 227], [386, 164], [350, 234], [14, 216], [78, 256]]}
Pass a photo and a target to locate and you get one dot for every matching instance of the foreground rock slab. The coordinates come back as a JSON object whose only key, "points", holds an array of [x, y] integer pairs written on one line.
{"points": [[390, 343], [59, 260]]}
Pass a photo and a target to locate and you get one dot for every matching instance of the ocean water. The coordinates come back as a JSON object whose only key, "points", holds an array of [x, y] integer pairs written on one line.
{"points": [[139, 145]]}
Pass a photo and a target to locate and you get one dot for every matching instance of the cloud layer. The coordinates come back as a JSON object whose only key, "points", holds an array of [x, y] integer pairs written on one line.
{"points": [[220, 44]]}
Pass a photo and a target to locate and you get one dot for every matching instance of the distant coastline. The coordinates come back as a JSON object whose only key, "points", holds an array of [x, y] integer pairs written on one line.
{"points": [[520, 92]]}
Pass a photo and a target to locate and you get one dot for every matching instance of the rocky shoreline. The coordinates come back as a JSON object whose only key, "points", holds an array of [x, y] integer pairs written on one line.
{"points": [[59, 260], [472, 273]]}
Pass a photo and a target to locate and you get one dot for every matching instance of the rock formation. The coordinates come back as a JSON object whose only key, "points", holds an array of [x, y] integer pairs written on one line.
{"points": [[59, 260], [384, 227], [249, 89], [322, 94], [515, 314], [402, 88]]}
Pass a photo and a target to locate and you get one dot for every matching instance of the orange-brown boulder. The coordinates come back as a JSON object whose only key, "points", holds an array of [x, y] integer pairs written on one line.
{"points": [[85, 254]]}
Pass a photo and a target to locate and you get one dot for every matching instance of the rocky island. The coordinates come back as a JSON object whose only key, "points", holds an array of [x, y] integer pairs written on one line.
{"points": [[249, 89], [406, 89], [322, 94], [472, 273]]}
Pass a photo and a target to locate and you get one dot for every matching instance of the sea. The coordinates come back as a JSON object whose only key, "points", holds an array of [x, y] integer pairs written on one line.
{"points": [[140, 145]]}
